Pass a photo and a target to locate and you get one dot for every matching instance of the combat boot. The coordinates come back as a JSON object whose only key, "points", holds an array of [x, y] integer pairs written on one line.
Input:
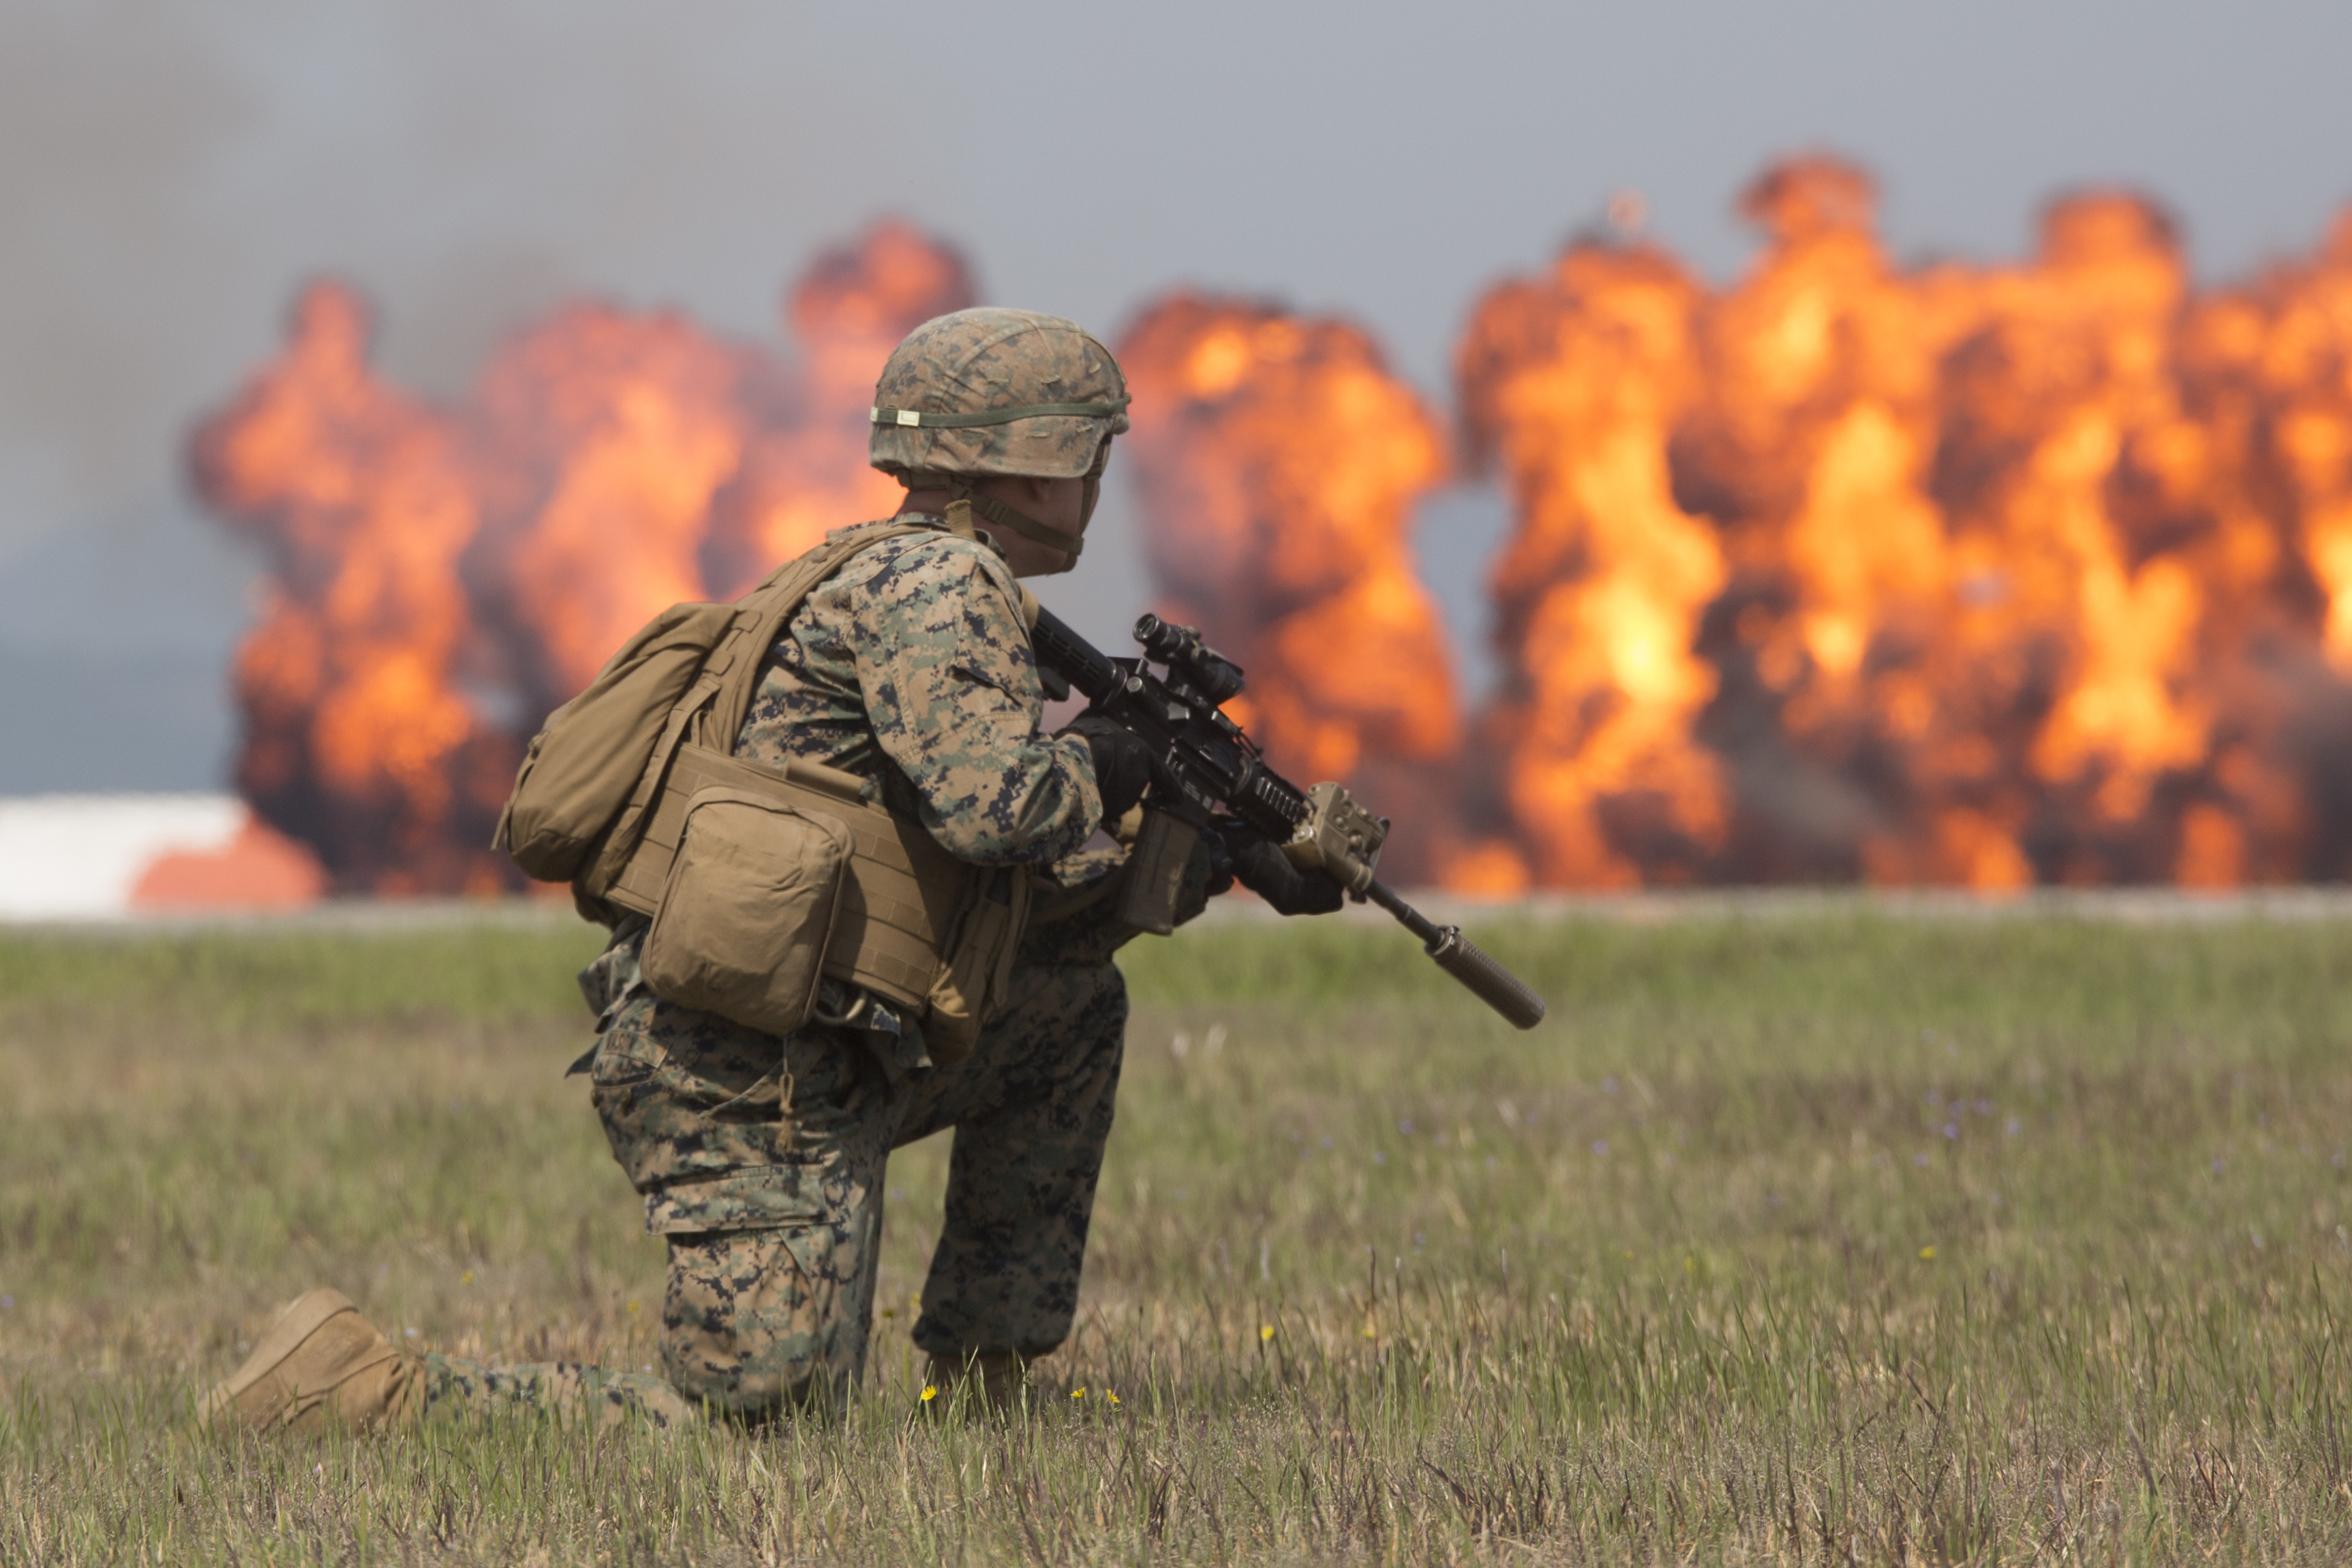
{"points": [[320, 1361], [987, 1383]]}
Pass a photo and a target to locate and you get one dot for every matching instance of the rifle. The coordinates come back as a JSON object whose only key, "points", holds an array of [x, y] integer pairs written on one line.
{"points": [[1204, 765]]}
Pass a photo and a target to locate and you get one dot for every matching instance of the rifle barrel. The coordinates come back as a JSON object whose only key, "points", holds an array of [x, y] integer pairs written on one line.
{"points": [[1465, 960]]}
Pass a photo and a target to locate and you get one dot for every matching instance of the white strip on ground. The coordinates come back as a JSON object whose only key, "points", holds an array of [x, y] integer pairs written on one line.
{"points": [[77, 857]]}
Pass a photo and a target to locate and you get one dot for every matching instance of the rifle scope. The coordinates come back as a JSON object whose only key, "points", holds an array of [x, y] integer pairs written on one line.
{"points": [[1188, 658]]}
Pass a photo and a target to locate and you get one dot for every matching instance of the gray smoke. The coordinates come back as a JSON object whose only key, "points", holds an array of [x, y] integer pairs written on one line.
{"points": [[170, 170]]}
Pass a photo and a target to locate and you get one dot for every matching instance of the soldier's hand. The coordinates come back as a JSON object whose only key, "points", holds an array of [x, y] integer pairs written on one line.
{"points": [[1219, 880], [1260, 866], [1122, 763]]}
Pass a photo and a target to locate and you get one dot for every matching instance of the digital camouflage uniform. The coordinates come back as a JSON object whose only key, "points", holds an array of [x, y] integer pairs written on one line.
{"points": [[761, 1161]]}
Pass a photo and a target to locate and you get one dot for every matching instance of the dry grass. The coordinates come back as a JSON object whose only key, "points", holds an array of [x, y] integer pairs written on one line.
{"points": [[1823, 1237]]}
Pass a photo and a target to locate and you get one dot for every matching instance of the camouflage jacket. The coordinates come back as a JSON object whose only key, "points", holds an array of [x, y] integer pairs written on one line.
{"points": [[913, 661], [911, 666]]}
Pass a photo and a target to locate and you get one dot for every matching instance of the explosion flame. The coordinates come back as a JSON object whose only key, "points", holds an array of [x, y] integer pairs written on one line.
{"points": [[1978, 575], [358, 738], [433, 567], [1278, 461], [1575, 387], [1985, 575]]}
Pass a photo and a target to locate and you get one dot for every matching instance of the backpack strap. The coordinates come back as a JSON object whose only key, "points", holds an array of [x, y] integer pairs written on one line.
{"points": [[760, 620], [710, 715]]}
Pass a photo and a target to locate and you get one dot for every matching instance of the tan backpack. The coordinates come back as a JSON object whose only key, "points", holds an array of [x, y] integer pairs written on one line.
{"points": [[759, 880]]}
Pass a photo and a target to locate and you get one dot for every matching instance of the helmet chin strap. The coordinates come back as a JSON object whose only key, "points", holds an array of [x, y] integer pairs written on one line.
{"points": [[1020, 522], [961, 493]]}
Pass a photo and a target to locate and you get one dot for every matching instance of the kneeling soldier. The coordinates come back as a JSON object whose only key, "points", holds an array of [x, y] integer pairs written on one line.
{"points": [[761, 1158]]}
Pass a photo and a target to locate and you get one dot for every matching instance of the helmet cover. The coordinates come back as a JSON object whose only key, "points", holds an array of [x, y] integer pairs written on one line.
{"points": [[1012, 391]]}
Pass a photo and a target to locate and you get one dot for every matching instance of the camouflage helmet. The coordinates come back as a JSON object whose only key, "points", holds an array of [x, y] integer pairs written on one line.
{"points": [[989, 390]]}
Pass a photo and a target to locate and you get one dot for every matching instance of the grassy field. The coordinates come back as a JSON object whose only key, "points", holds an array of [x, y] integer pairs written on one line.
{"points": [[1821, 1237]]}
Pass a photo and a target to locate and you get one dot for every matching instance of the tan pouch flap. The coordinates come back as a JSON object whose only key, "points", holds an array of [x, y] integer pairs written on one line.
{"points": [[905, 896], [749, 908]]}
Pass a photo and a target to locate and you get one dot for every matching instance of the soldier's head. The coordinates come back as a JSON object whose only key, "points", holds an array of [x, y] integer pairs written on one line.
{"points": [[1011, 410]]}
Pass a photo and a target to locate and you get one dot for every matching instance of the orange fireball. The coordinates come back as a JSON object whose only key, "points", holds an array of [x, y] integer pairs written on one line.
{"points": [[1985, 575], [1978, 575], [1278, 461], [358, 737], [441, 577], [1573, 384]]}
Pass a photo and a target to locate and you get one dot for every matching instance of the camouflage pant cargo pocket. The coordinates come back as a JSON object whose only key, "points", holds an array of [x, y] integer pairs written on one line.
{"points": [[683, 1094]]}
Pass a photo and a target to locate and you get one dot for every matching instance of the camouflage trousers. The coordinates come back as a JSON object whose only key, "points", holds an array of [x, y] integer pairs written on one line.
{"points": [[451, 1382], [762, 1161]]}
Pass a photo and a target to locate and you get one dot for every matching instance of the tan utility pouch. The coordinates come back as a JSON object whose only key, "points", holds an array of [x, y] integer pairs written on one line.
{"points": [[748, 909], [934, 935], [630, 792]]}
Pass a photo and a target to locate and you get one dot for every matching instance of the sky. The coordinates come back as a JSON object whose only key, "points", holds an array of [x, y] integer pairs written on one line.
{"points": [[170, 173]]}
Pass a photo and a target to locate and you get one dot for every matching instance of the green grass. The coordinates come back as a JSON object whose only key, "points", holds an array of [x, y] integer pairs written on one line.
{"points": [[1825, 1235]]}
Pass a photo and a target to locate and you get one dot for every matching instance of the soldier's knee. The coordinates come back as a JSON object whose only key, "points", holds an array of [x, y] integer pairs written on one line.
{"points": [[749, 1331]]}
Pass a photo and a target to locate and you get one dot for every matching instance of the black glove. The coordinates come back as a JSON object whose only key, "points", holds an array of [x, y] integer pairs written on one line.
{"points": [[1122, 763], [1220, 878], [1260, 866]]}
